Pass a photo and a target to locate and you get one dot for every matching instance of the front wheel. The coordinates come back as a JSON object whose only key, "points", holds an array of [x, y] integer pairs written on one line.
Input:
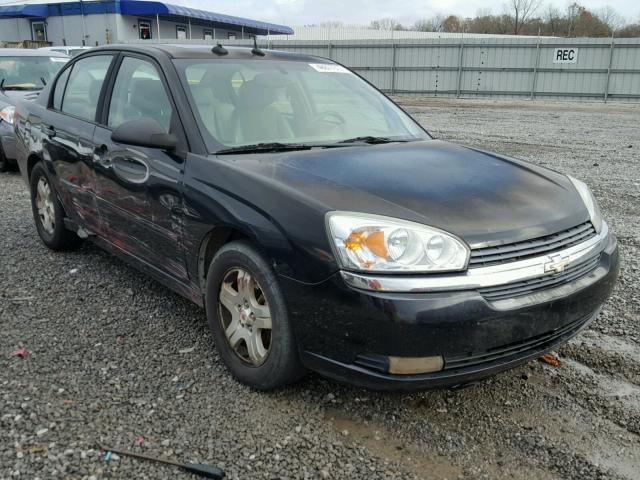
{"points": [[248, 317], [48, 213]]}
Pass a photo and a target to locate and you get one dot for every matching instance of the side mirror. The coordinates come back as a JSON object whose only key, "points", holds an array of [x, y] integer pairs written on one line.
{"points": [[144, 132]]}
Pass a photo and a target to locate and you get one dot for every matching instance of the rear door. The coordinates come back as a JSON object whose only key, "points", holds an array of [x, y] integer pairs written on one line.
{"points": [[67, 136], [139, 189]]}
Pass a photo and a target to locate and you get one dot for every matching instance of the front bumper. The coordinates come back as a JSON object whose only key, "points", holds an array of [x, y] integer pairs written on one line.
{"points": [[7, 140], [342, 330]]}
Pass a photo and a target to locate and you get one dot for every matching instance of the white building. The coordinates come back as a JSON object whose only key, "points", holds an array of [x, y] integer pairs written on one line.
{"points": [[111, 21]]}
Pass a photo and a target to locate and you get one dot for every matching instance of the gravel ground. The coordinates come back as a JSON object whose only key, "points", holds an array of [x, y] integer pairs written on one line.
{"points": [[116, 359]]}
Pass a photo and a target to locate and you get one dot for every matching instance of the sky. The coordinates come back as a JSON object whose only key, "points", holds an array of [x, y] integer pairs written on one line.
{"points": [[361, 12], [304, 12]]}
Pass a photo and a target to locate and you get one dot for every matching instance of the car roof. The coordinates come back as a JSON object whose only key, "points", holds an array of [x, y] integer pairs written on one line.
{"points": [[187, 51], [67, 47], [26, 52]]}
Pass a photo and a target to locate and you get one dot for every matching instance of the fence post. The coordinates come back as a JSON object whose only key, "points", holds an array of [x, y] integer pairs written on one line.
{"points": [[460, 57], [606, 87], [535, 71], [393, 69], [329, 50]]}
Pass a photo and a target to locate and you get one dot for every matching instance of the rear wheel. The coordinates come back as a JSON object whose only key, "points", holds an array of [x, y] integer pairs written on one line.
{"points": [[248, 318], [48, 213]]}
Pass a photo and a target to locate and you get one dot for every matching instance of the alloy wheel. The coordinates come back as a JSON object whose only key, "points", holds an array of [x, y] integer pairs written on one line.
{"points": [[245, 316], [45, 206]]}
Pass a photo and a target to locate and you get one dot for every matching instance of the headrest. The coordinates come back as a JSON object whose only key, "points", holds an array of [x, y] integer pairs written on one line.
{"points": [[203, 95], [147, 92], [262, 90]]}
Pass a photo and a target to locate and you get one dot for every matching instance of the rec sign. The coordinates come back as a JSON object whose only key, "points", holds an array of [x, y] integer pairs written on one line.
{"points": [[565, 55]]}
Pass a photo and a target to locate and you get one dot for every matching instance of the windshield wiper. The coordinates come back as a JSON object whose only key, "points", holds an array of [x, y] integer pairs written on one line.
{"points": [[265, 147], [20, 88], [371, 140]]}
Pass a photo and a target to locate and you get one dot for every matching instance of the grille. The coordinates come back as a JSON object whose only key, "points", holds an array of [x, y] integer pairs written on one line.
{"points": [[538, 343], [482, 257], [526, 287]]}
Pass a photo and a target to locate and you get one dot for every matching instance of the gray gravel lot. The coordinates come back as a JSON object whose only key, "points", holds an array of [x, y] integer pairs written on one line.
{"points": [[117, 359]]}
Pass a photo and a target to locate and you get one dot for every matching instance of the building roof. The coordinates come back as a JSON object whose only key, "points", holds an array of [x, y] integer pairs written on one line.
{"points": [[166, 11]]}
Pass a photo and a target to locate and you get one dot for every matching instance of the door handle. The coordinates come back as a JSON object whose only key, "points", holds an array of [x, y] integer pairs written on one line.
{"points": [[49, 131], [130, 169]]}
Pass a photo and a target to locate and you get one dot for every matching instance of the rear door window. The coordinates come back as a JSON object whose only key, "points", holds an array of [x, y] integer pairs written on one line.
{"points": [[84, 86]]}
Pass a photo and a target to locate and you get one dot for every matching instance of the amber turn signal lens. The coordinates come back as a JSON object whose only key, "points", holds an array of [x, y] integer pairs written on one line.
{"points": [[374, 241], [355, 241]]}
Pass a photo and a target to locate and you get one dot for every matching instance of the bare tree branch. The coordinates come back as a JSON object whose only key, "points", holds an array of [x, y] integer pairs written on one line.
{"points": [[522, 10]]}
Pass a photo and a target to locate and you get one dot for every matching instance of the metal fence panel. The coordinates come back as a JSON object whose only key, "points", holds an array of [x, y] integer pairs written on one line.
{"points": [[524, 67]]}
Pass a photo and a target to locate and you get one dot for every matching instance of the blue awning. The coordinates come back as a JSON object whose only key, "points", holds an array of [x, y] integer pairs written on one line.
{"points": [[132, 7], [24, 11], [135, 7]]}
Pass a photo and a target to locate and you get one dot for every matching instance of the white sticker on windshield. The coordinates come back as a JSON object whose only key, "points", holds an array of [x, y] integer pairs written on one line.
{"points": [[59, 59], [328, 68]]}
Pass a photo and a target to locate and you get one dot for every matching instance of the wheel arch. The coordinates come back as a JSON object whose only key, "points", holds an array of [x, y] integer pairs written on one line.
{"points": [[214, 241], [32, 160]]}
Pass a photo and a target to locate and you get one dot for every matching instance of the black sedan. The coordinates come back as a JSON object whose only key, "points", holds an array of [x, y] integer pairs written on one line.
{"points": [[319, 225]]}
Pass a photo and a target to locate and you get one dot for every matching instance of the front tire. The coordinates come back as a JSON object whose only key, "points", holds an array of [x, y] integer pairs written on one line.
{"points": [[248, 317], [48, 213]]}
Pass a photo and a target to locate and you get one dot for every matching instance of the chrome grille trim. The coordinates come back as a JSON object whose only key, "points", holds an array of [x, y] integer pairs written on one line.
{"points": [[531, 248], [526, 287], [480, 277]]}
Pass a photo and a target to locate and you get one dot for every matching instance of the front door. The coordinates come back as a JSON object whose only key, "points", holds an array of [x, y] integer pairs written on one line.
{"points": [[68, 127], [139, 189]]}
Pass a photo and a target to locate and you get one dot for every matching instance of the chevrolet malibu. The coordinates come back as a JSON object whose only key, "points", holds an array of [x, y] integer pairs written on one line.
{"points": [[317, 223]]}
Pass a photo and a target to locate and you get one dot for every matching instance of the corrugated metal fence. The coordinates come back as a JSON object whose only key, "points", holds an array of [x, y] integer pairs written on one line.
{"points": [[598, 69]]}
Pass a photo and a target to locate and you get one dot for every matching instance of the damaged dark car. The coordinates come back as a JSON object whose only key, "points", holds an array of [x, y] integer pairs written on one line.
{"points": [[318, 224]]}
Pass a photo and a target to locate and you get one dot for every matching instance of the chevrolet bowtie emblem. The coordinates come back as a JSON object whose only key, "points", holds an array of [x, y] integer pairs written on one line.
{"points": [[557, 264]]}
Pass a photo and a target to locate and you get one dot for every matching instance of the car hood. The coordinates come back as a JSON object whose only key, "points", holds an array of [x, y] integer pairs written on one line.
{"points": [[484, 198], [13, 96]]}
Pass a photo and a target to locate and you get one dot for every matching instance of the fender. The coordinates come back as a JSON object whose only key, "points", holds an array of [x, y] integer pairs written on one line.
{"points": [[211, 209]]}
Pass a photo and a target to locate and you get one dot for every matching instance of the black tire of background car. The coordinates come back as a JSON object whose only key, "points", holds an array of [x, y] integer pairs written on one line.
{"points": [[4, 163], [61, 239], [282, 366]]}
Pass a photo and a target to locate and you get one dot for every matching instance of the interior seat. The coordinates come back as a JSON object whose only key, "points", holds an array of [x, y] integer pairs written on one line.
{"points": [[216, 115], [257, 119], [149, 100]]}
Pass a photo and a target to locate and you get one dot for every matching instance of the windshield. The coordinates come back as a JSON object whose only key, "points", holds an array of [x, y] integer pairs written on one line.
{"points": [[28, 73], [249, 102]]}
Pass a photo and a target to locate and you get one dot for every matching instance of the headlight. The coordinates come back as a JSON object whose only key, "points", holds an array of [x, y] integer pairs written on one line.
{"points": [[375, 243], [589, 201], [7, 114]]}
